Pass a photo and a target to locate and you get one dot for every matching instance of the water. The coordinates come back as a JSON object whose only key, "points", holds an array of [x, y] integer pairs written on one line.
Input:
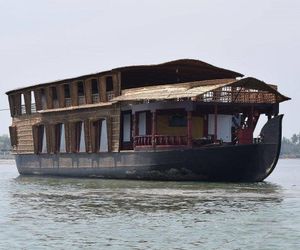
{"points": [[60, 213]]}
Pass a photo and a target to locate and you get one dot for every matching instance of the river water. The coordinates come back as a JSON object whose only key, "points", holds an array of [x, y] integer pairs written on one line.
{"points": [[68, 213]]}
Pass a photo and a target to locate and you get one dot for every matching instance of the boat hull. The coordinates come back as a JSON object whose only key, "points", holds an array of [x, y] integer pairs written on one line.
{"points": [[217, 163]]}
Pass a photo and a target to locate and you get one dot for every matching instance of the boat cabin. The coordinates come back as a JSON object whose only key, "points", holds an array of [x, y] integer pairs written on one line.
{"points": [[178, 104]]}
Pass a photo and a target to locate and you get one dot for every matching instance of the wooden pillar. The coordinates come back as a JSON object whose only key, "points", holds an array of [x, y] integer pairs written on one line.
{"points": [[189, 128], [11, 105], [153, 128], [134, 127], [18, 108], [38, 99], [102, 89], [216, 123], [88, 91], [251, 117], [61, 95], [49, 97], [116, 85], [27, 98]]}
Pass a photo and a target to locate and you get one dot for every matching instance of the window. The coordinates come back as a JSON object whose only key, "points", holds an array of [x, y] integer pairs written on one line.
{"points": [[54, 93], [81, 97], [67, 91], [79, 137], [95, 89], [23, 108], [109, 84], [178, 121], [39, 137], [60, 142], [43, 99], [54, 97], [80, 89], [126, 127], [104, 137], [33, 103]]}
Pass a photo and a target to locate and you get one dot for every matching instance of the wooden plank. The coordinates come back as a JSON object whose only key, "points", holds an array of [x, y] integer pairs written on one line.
{"points": [[88, 91], [13, 136], [74, 93], [17, 102], [116, 85], [61, 95], [102, 89], [38, 99], [11, 105], [27, 98]]}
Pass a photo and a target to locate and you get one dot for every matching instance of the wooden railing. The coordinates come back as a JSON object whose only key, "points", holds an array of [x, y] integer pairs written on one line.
{"points": [[160, 140], [143, 140], [33, 109], [170, 140], [95, 98]]}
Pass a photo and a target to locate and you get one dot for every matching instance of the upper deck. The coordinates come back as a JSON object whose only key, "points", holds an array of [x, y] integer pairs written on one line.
{"points": [[102, 87]]}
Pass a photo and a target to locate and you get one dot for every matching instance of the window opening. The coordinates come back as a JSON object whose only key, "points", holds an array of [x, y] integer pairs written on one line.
{"points": [[23, 108], [67, 91], [42, 139], [43, 99], [103, 137], [62, 146], [126, 127], [81, 97], [54, 97], [54, 93], [80, 89], [95, 89], [79, 137], [109, 84], [33, 102], [82, 139], [67, 94]]}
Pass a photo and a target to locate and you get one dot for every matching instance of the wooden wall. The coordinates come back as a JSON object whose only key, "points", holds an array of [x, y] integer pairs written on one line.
{"points": [[24, 126]]}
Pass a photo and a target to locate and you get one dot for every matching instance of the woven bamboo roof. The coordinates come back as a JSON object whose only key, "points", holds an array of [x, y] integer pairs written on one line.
{"points": [[200, 89]]}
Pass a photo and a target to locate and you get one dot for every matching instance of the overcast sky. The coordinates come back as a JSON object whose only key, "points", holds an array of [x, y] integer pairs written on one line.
{"points": [[45, 40]]}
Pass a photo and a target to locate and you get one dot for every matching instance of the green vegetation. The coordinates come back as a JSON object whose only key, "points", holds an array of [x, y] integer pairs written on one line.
{"points": [[5, 147], [4, 143], [290, 148]]}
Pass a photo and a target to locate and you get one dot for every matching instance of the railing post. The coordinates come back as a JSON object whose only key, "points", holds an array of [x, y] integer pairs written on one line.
{"points": [[153, 127], [134, 129], [216, 123], [189, 128]]}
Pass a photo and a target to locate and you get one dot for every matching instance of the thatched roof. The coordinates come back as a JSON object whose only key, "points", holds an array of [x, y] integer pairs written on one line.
{"points": [[200, 88]]}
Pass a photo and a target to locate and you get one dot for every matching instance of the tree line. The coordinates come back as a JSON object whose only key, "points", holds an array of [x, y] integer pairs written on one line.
{"points": [[290, 148], [4, 143]]}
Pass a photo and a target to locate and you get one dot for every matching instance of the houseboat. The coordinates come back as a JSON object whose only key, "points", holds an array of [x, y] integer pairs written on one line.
{"points": [[180, 120]]}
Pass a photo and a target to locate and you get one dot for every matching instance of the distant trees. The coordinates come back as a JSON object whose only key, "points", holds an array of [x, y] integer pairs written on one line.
{"points": [[4, 143], [290, 148]]}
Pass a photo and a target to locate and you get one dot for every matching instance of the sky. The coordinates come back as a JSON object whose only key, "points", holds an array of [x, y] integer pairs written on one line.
{"points": [[46, 40]]}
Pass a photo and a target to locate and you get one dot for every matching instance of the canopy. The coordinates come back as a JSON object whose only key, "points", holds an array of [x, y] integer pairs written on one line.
{"points": [[246, 90]]}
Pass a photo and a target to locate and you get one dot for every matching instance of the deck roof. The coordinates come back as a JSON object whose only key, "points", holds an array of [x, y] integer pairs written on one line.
{"points": [[197, 89], [182, 70]]}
